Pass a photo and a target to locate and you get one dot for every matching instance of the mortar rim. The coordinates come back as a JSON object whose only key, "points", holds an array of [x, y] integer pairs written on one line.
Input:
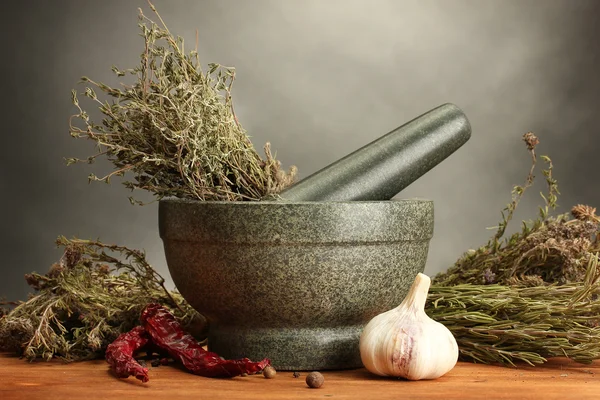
{"points": [[296, 222], [288, 202]]}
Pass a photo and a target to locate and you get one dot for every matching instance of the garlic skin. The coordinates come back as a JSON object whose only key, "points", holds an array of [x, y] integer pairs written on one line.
{"points": [[405, 342]]}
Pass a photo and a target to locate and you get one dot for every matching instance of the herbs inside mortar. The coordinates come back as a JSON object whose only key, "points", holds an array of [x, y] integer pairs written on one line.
{"points": [[175, 129]]}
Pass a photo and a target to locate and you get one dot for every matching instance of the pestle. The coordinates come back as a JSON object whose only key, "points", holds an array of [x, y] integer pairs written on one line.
{"points": [[384, 167]]}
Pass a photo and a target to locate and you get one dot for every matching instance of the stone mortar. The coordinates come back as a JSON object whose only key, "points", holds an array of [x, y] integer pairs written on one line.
{"points": [[294, 281]]}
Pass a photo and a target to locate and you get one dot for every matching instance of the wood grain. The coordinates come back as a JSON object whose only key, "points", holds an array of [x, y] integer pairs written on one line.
{"points": [[559, 379]]}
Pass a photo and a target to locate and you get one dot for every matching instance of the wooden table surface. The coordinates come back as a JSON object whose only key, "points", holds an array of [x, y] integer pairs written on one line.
{"points": [[559, 379]]}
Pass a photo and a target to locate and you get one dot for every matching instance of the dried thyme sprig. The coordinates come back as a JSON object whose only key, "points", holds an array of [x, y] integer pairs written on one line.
{"points": [[93, 294], [531, 141], [175, 129]]}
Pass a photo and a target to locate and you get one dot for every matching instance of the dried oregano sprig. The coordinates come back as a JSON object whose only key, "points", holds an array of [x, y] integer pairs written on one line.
{"points": [[530, 296], [174, 130], [94, 293]]}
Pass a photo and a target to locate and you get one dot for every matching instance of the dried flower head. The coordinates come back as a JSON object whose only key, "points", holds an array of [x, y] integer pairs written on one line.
{"points": [[55, 270], [531, 140], [584, 213]]}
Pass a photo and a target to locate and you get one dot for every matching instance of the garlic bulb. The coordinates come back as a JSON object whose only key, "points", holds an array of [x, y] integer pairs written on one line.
{"points": [[405, 342]]}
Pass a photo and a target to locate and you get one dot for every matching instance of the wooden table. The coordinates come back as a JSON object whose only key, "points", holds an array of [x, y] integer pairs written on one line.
{"points": [[559, 379]]}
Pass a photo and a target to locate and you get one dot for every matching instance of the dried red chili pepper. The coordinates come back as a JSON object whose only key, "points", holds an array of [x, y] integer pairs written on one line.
{"points": [[119, 354], [167, 333]]}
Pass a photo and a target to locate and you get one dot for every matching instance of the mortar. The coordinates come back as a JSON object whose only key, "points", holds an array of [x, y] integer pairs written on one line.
{"points": [[294, 281]]}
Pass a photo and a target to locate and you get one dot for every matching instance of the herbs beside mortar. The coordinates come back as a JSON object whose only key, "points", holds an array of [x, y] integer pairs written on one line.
{"points": [[175, 129], [529, 296], [92, 295]]}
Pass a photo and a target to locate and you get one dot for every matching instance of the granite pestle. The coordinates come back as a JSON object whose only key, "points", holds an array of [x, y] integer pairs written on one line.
{"points": [[384, 167]]}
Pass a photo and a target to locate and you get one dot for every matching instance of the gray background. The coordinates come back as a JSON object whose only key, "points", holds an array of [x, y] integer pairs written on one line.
{"points": [[318, 79]]}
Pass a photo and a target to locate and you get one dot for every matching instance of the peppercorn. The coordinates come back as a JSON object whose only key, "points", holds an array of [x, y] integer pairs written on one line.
{"points": [[315, 380], [296, 374], [269, 372]]}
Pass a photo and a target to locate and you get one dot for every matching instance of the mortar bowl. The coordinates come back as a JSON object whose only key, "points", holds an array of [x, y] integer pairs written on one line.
{"points": [[295, 282]]}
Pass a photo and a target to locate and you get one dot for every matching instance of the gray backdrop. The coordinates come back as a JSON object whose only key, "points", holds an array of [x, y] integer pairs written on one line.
{"points": [[318, 79]]}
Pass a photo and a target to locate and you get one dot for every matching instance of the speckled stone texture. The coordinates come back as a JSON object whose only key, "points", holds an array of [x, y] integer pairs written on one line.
{"points": [[294, 281]]}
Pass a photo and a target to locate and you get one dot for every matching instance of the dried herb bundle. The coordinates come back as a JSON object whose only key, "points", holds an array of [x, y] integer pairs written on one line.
{"points": [[92, 295], [528, 296], [504, 324], [175, 128]]}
